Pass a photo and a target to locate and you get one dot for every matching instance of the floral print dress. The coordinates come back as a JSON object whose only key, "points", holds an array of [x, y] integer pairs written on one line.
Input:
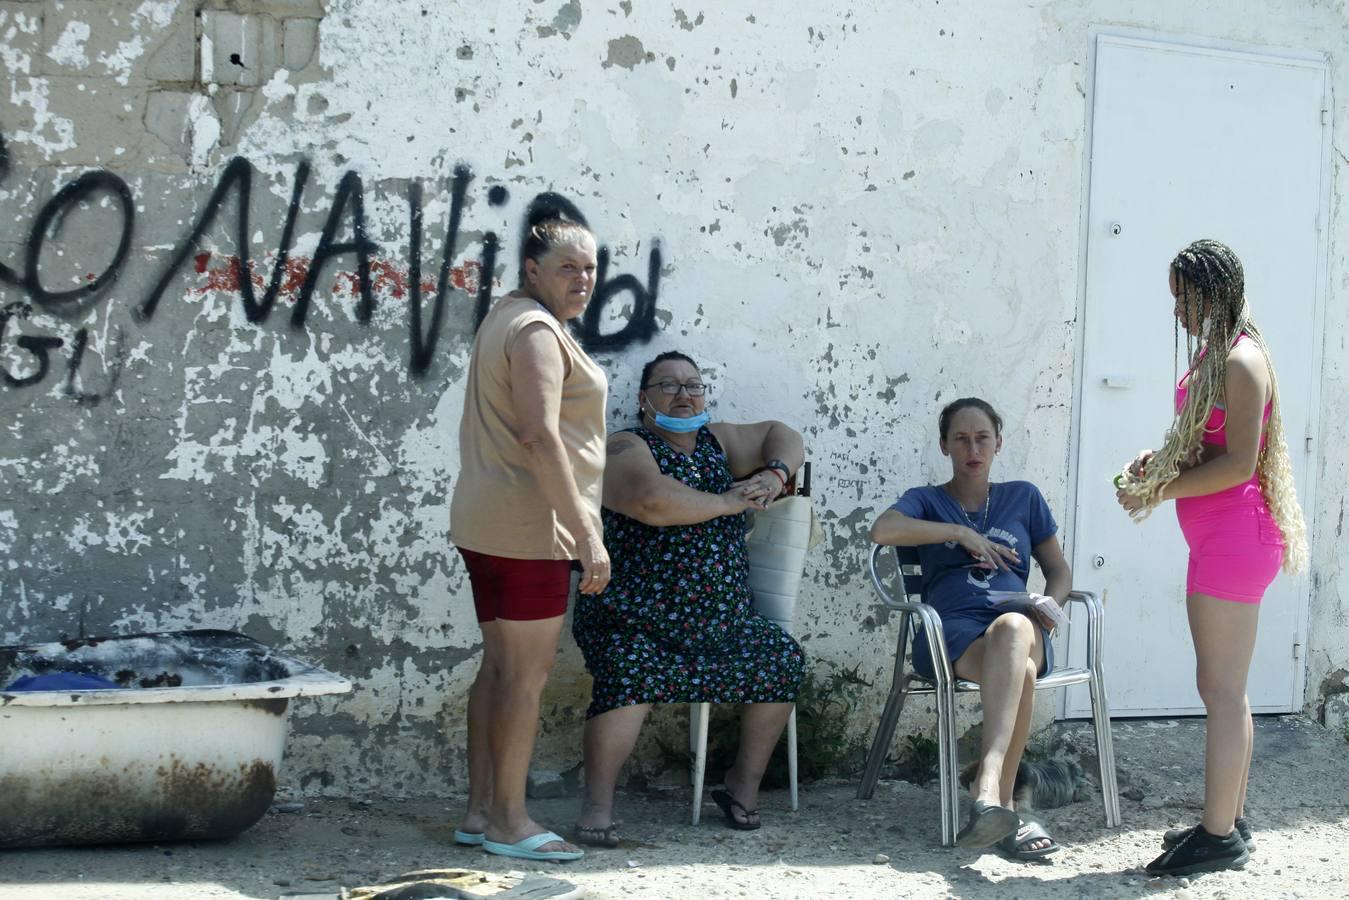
{"points": [[676, 623]]}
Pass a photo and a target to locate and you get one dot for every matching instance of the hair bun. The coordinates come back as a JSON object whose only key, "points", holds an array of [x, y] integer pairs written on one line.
{"points": [[551, 206]]}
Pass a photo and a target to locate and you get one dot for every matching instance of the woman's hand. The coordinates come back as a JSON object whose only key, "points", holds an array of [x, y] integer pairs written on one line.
{"points": [[987, 554], [594, 565], [1127, 500], [769, 483], [1043, 617], [749, 494], [1140, 463]]}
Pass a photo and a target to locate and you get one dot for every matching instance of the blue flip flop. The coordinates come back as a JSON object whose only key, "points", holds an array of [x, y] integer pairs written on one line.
{"points": [[528, 848], [469, 838]]}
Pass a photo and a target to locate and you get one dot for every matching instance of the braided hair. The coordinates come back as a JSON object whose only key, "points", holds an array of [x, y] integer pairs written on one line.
{"points": [[1212, 290]]}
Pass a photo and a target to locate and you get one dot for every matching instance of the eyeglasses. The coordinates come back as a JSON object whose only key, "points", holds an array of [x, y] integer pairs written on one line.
{"points": [[693, 388]]}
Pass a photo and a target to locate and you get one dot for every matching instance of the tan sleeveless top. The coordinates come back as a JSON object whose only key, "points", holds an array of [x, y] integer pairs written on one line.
{"points": [[497, 507]]}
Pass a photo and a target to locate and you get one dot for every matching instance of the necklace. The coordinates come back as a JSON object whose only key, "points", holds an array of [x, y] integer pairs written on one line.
{"points": [[988, 500]]}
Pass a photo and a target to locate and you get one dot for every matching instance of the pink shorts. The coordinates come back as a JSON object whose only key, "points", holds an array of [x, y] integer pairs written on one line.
{"points": [[519, 590], [1236, 547]]}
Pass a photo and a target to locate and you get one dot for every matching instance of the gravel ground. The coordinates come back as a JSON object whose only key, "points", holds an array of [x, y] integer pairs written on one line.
{"points": [[834, 846]]}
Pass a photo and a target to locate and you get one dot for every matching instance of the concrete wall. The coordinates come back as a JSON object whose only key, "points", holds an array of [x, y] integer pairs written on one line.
{"points": [[849, 215]]}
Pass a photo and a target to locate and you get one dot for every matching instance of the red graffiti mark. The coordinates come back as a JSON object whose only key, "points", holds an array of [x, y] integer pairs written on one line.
{"points": [[386, 278], [384, 275], [297, 270]]}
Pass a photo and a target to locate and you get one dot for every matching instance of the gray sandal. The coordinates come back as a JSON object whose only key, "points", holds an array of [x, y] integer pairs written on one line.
{"points": [[596, 836], [987, 825]]}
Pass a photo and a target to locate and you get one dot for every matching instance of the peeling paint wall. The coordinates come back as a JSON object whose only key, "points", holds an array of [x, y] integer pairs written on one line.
{"points": [[846, 215]]}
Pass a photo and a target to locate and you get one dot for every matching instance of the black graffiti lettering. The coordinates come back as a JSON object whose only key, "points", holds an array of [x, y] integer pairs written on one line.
{"points": [[53, 214], [424, 344], [37, 345], [235, 183], [348, 189], [488, 265], [117, 354], [238, 178], [641, 325]]}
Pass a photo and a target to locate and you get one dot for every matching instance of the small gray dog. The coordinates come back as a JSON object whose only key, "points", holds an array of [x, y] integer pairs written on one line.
{"points": [[1042, 783]]}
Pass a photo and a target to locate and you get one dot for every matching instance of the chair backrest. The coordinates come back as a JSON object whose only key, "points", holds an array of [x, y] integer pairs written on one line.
{"points": [[777, 547], [911, 570]]}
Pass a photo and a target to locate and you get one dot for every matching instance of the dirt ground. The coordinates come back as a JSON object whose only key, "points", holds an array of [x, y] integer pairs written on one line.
{"points": [[834, 846]]}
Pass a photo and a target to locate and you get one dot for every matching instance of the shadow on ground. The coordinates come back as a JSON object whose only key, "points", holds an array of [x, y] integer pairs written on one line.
{"points": [[834, 846]]}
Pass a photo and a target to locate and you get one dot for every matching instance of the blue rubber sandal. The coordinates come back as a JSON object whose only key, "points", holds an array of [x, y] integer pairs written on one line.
{"points": [[529, 848], [469, 838]]}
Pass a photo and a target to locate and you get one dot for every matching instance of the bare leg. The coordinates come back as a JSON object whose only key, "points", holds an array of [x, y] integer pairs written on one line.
{"points": [[1246, 772], [608, 740], [528, 649], [761, 726], [1020, 734], [1005, 661], [998, 661], [479, 727], [1224, 641]]}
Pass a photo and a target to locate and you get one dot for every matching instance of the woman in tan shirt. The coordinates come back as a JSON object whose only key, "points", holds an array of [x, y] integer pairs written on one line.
{"points": [[525, 507]]}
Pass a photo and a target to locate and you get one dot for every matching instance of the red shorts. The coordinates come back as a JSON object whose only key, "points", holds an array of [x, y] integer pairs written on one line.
{"points": [[519, 590]]}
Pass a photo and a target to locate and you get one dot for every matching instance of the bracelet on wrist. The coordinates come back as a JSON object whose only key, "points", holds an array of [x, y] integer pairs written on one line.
{"points": [[779, 468]]}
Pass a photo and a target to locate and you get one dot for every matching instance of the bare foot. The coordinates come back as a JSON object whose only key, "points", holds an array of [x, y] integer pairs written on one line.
{"points": [[746, 795], [595, 816], [474, 822]]}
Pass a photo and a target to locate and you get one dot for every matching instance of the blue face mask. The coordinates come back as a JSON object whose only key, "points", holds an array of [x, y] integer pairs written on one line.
{"points": [[679, 425]]}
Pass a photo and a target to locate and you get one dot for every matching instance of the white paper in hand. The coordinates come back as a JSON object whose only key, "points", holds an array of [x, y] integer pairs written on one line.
{"points": [[1023, 601]]}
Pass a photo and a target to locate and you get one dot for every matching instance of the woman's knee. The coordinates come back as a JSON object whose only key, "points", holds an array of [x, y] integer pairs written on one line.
{"points": [[1011, 628], [527, 669], [1219, 692]]}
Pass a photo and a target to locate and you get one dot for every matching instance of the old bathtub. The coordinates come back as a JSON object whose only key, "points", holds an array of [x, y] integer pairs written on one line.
{"points": [[184, 744]]}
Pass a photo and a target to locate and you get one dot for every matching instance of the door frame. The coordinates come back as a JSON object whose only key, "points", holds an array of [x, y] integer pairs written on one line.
{"points": [[1099, 36]]}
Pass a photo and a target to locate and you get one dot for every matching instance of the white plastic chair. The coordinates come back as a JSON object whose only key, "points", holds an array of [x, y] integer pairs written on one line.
{"points": [[946, 685], [777, 554]]}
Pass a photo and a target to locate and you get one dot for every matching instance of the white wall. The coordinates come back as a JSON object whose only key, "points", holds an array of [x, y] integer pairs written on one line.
{"points": [[864, 210]]}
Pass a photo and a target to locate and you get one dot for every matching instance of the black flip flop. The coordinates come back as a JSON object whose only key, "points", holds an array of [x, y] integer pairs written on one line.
{"points": [[1014, 845], [728, 805], [988, 824], [597, 837]]}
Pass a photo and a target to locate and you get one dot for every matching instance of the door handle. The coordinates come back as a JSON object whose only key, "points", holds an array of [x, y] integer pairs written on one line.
{"points": [[1118, 382]]}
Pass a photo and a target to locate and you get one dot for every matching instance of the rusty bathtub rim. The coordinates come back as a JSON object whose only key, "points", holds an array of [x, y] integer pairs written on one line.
{"points": [[306, 681], [306, 685]]}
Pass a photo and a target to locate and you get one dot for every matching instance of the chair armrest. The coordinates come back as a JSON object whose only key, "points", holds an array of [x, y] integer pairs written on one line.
{"points": [[1090, 601]]}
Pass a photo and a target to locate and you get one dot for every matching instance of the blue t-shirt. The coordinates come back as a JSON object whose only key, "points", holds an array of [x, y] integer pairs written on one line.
{"points": [[1018, 517]]}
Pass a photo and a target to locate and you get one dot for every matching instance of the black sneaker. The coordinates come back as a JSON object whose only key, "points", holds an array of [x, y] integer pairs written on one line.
{"points": [[1175, 835], [1202, 852]]}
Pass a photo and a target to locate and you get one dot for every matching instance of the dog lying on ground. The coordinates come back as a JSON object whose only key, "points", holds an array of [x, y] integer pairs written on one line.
{"points": [[1041, 783]]}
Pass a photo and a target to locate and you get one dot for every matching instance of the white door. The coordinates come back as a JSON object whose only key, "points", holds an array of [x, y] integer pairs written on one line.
{"points": [[1189, 142]]}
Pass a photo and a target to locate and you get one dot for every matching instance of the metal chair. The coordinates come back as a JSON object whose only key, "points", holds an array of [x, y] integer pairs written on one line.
{"points": [[777, 547], [946, 685]]}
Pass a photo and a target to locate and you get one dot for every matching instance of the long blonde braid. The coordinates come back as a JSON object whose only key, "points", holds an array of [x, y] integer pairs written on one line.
{"points": [[1213, 287]]}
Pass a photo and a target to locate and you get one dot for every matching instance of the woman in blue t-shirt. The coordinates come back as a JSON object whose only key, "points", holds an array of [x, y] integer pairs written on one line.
{"points": [[974, 536]]}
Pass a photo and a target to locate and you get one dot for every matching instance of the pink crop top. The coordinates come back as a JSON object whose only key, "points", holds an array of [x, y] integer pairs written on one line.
{"points": [[1215, 429]]}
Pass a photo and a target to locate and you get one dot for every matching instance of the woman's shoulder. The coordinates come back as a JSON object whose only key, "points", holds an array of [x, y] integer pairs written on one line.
{"points": [[1020, 488]]}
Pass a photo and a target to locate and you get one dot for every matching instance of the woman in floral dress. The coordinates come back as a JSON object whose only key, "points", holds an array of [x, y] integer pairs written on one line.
{"points": [[677, 623]]}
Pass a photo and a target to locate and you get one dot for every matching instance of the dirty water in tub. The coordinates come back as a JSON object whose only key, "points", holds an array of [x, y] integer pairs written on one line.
{"points": [[175, 660]]}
